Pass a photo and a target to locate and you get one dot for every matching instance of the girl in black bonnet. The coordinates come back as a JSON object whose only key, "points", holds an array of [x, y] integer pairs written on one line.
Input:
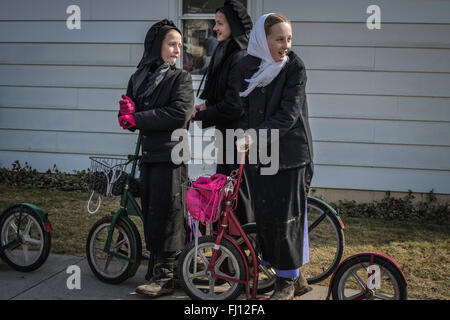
{"points": [[222, 107], [160, 100]]}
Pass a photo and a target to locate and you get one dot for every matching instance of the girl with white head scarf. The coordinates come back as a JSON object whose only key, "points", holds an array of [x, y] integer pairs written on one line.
{"points": [[258, 47], [273, 96]]}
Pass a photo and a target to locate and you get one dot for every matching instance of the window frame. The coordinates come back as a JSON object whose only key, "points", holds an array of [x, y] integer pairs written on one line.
{"points": [[196, 16]]}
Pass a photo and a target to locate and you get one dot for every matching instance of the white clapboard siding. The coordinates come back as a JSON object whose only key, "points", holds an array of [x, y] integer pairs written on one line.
{"points": [[90, 32], [398, 11], [61, 120], [382, 155], [306, 33], [89, 9], [374, 59], [350, 177], [65, 98], [315, 58], [68, 53], [343, 82], [323, 129], [379, 100], [380, 131], [378, 107], [65, 76], [68, 142]]}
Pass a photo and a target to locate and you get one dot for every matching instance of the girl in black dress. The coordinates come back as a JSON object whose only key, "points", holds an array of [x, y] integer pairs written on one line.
{"points": [[273, 95], [160, 100], [222, 107]]}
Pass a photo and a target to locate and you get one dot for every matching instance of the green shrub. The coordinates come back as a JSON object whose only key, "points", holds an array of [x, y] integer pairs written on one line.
{"points": [[52, 179], [391, 208]]}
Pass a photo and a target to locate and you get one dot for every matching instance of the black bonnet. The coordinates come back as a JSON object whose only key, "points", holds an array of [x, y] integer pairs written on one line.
{"points": [[153, 40], [239, 21]]}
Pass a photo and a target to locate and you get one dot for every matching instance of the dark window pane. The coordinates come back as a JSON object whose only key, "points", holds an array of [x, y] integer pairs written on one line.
{"points": [[199, 42], [202, 6]]}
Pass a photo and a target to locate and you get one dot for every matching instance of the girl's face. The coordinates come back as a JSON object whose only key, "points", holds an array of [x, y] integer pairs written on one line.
{"points": [[279, 40], [221, 28], [171, 47]]}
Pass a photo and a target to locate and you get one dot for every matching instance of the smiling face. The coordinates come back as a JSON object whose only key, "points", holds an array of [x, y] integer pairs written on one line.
{"points": [[221, 28], [171, 47], [279, 40]]}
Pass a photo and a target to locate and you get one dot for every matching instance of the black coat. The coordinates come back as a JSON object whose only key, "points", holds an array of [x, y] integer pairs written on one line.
{"points": [[223, 103], [224, 110], [280, 105], [167, 109]]}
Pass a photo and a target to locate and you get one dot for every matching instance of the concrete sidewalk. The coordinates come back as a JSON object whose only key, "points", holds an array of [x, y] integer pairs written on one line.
{"points": [[49, 282]]}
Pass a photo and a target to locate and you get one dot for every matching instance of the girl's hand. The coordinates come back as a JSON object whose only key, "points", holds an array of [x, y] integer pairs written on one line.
{"points": [[126, 105], [197, 108], [127, 121]]}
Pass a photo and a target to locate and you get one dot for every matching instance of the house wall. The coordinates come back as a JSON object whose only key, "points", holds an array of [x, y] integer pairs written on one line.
{"points": [[379, 100]]}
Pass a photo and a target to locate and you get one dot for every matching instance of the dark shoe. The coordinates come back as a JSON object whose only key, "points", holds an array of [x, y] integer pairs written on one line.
{"points": [[157, 288], [284, 289], [301, 286], [162, 282]]}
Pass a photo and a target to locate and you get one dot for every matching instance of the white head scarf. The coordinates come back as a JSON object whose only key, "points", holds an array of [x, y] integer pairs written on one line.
{"points": [[258, 47]]}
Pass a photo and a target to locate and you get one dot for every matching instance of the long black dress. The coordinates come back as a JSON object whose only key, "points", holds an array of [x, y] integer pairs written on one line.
{"points": [[280, 199]]}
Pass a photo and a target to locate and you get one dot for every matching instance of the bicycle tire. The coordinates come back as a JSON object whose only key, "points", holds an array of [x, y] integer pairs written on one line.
{"points": [[359, 263], [34, 227], [325, 231], [125, 245], [231, 261]]}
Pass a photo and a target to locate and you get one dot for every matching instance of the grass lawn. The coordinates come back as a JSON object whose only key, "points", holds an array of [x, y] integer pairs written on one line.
{"points": [[422, 248]]}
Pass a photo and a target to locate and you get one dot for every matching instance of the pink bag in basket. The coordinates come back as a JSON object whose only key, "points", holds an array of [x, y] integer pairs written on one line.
{"points": [[204, 196]]}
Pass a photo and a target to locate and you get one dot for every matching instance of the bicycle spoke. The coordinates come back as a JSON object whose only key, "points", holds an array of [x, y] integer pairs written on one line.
{"points": [[357, 296], [196, 275], [26, 232], [26, 253], [204, 259], [219, 262], [211, 286], [119, 244], [359, 280], [316, 223], [33, 241], [383, 296], [107, 262], [13, 226]]}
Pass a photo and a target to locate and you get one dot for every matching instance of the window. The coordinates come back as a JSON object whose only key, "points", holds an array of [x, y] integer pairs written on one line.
{"points": [[199, 40]]}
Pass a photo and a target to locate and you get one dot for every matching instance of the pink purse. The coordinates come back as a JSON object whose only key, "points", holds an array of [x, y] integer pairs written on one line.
{"points": [[204, 198]]}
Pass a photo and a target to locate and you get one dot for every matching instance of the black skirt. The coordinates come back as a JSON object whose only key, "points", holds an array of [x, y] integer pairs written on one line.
{"points": [[280, 206], [162, 207]]}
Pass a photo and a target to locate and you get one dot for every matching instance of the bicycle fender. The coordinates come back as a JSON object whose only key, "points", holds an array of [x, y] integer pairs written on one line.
{"points": [[372, 254], [136, 235], [44, 216], [330, 208]]}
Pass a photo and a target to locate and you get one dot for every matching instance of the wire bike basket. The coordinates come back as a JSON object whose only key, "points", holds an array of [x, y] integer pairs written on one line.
{"points": [[107, 177]]}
